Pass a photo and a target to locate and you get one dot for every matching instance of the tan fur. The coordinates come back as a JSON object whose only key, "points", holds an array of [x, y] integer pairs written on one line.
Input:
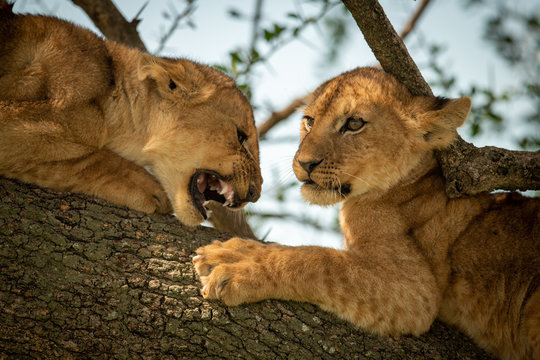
{"points": [[411, 253], [88, 115]]}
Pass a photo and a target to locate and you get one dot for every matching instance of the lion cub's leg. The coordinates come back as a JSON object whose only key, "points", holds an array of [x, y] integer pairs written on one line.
{"points": [[60, 149], [371, 289], [104, 174]]}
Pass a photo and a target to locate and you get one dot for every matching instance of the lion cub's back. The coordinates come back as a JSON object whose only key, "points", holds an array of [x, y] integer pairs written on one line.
{"points": [[45, 58], [505, 239], [496, 271]]}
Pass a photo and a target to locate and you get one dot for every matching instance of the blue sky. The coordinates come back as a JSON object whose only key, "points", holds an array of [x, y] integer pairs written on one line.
{"points": [[295, 70]]}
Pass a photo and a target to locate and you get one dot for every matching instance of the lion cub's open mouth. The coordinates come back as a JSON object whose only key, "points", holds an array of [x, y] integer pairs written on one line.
{"points": [[208, 185]]}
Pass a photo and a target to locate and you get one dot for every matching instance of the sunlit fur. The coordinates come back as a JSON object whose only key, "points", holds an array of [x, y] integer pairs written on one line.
{"points": [[411, 253], [88, 115], [361, 158]]}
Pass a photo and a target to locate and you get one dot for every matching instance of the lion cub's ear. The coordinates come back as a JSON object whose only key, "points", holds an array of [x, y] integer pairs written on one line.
{"points": [[175, 79], [438, 118]]}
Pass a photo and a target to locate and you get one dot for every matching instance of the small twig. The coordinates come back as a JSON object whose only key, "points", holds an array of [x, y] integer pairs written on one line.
{"points": [[136, 19], [280, 44], [304, 220], [254, 35], [410, 25], [189, 9]]}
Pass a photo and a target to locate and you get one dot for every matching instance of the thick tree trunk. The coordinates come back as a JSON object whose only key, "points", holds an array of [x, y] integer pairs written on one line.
{"points": [[80, 278]]}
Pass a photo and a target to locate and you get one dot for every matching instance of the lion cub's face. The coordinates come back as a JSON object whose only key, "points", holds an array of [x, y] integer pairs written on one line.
{"points": [[365, 132], [202, 142]]}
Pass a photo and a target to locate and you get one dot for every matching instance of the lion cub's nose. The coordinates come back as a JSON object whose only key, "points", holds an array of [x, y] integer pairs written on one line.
{"points": [[309, 166], [253, 194]]}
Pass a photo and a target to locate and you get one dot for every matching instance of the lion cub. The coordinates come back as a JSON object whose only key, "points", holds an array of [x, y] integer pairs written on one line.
{"points": [[411, 253], [88, 115]]}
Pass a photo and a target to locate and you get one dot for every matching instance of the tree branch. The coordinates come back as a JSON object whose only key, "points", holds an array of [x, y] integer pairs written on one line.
{"points": [[386, 45], [188, 10], [410, 25], [471, 170], [469, 179], [278, 116], [111, 22], [80, 278]]}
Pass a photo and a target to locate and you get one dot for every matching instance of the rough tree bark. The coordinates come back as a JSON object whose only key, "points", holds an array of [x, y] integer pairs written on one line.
{"points": [[468, 170], [80, 278]]}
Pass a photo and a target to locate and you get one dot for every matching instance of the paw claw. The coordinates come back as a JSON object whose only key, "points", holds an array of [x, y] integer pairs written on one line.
{"points": [[204, 291]]}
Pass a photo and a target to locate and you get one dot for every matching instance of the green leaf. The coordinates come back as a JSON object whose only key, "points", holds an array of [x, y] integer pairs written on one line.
{"points": [[278, 29], [222, 68], [255, 56], [268, 36], [475, 129], [235, 58]]}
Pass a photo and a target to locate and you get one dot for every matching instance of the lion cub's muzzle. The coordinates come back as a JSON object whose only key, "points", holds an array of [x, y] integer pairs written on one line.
{"points": [[207, 185], [319, 176]]}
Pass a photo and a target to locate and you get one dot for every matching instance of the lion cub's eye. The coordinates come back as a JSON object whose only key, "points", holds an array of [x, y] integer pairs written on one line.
{"points": [[172, 84], [242, 137], [353, 124], [308, 121]]}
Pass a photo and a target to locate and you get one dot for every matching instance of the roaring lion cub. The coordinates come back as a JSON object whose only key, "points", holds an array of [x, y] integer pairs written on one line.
{"points": [[88, 115], [411, 253]]}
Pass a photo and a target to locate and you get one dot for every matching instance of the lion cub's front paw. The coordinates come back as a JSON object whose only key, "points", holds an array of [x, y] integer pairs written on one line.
{"points": [[162, 202], [233, 271]]}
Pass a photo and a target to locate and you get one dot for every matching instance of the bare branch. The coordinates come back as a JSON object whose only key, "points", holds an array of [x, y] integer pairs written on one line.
{"points": [[460, 162], [278, 116], [410, 25], [111, 22], [471, 170], [189, 9], [141, 10]]}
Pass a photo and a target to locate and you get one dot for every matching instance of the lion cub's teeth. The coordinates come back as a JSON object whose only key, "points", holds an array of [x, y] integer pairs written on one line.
{"points": [[225, 188]]}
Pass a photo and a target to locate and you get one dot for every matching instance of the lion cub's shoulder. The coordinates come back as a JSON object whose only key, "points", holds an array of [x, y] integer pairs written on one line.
{"points": [[60, 61]]}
